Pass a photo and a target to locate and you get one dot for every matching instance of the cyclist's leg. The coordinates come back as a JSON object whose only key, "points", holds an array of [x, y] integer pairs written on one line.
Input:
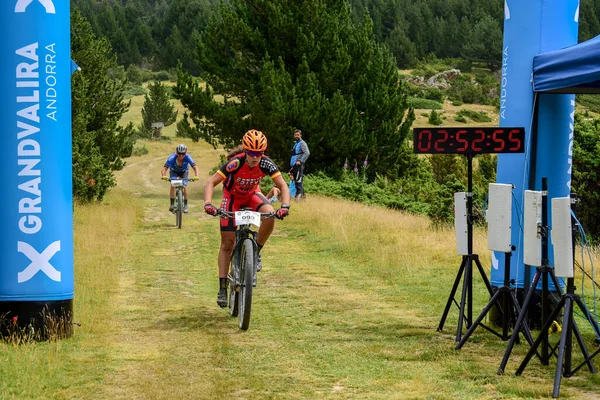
{"points": [[227, 243], [260, 203], [184, 176], [226, 248], [172, 175], [299, 180]]}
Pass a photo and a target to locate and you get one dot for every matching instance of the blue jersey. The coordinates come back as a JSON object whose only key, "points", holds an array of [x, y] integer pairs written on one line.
{"points": [[185, 163]]}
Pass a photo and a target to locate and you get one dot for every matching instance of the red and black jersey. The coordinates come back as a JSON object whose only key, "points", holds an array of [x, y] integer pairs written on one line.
{"points": [[241, 179]]}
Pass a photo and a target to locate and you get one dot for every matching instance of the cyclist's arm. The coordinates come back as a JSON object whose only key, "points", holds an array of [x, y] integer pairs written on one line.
{"points": [[210, 184], [196, 171], [281, 185], [164, 170]]}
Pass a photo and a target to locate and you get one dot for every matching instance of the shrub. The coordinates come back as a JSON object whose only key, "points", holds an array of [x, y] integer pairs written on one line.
{"points": [[477, 116], [140, 150], [434, 118], [424, 104]]}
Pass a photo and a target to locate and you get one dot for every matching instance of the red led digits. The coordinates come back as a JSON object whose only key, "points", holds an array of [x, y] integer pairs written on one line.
{"points": [[439, 144], [496, 137], [468, 140]]}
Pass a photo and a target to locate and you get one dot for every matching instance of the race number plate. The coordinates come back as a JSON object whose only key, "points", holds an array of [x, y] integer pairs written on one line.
{"points": [[176, 182], [247, 218]]}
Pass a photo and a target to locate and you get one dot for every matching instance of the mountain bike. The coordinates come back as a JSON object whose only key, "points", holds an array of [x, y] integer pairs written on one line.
{"points": [[242, 270], [178, 210]]}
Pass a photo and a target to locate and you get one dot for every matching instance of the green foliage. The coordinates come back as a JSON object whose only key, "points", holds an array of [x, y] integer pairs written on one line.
{"points": [[485, 43], [424, 92], [464, 90], [591, 101], [305, 65], [586, 173], [132, 90], [428, 187], [431, 65], [417, 103], [157, 108], [477, 116], [139, 150], [434, 118], [134, 75], [99, 143], [186, 130]]}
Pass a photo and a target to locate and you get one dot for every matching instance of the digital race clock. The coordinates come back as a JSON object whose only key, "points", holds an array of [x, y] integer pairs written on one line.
{"points": [[469, 140]]}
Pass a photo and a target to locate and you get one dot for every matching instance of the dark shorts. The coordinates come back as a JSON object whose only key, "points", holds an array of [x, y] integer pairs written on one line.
{"points": [[232, 202]]}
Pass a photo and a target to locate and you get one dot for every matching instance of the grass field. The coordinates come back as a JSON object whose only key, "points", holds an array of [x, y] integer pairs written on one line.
{"points": [[347, 306]]}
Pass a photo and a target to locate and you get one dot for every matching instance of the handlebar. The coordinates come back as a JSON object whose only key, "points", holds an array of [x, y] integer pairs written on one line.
{"points": [[181, 179], [231, 214]]}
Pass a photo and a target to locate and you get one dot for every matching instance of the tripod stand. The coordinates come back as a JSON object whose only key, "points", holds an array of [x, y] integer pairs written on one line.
{"points": [[466, 268], [565, 345], [509, 311], [544, 272]]}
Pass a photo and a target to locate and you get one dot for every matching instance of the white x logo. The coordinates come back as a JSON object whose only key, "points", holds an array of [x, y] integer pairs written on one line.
{"points": [[39, 261], [21, 6]]}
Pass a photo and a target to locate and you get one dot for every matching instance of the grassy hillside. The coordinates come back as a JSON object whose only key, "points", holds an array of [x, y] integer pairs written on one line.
{"points": [[347, 306]]}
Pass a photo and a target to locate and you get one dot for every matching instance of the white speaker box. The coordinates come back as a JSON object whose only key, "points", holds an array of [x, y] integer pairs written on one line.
{"points": [[562, 239], [499, 216], [532, 219], [460, 223]]}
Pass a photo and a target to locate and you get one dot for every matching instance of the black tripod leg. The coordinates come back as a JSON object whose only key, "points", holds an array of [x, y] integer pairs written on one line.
{"points": [[484, 277], [452, 294], [523, 325], [487, 308], [564, 346], [588, 316], [465, 291], [520, 320], [540, 338], [584, 350]]}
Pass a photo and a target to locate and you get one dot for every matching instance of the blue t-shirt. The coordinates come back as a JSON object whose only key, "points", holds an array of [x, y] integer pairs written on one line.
{"points": [[185, 163], [292, 189]]}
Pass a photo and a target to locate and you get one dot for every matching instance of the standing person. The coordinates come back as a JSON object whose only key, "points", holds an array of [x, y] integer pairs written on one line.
{"points": [[241, 176], [300, 154], [178, 164]]}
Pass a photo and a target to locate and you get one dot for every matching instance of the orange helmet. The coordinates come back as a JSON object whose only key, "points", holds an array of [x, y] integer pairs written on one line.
{"points": [[254, 140]]}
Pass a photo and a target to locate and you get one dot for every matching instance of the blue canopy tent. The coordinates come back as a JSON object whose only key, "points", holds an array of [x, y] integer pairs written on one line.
{"points": [[568, 71], [574, 69]]}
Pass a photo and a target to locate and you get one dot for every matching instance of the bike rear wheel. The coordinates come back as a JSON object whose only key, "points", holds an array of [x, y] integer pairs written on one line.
{"points": [[246, 266], [179, 210]]}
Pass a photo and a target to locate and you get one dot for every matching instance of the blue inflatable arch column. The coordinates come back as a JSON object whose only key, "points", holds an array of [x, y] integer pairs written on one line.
{"points": [[532, 27], [36, 207]]}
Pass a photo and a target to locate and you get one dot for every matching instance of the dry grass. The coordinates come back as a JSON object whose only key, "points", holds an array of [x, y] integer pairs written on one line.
{"points": [[449, 112]]}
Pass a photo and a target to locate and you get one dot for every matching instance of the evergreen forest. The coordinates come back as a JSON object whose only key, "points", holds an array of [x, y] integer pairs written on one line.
{"points": [[349, 73]]}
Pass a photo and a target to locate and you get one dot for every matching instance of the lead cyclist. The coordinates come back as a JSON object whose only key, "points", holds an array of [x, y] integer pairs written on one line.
{"points": [[241, 176]]}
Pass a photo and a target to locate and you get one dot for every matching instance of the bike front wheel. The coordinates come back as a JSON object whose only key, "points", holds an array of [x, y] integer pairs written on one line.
{"points": [[179, 210], [247, 267], [234, 294]]}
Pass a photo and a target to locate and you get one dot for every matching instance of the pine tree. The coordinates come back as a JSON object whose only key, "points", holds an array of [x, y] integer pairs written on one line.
{"points": [[157, 108], [99, 143], [306, 65]]}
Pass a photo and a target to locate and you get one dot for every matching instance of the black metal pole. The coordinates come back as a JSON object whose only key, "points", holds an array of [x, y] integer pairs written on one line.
{"points": [[470, 238], [545, 265]]}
